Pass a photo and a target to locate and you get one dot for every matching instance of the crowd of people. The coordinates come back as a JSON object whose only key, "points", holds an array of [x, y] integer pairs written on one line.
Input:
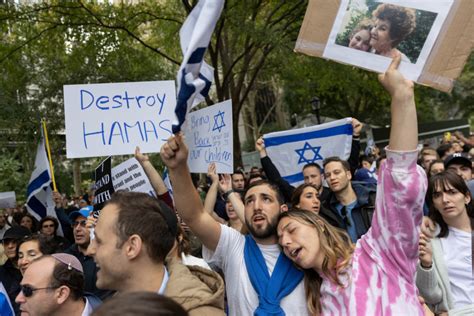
{"points": [[388, 232]]}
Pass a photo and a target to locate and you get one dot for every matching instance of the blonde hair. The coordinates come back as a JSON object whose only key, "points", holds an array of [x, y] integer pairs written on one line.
{"points": [[337, 248]]}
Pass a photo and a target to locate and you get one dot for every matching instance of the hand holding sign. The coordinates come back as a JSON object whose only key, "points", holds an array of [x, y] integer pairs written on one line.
{"points": [[394, 82], [141, 157]]}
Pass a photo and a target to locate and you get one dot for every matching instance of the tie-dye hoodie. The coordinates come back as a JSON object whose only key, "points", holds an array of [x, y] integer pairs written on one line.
{"points": [[381, 277]]}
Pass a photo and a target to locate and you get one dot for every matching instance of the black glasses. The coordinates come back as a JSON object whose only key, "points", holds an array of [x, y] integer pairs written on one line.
{"points": [[28, 291], [81, 223]]}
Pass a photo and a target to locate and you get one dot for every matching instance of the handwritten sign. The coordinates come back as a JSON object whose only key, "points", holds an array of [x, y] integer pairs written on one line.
{"points": [[7, 199], [113, 118], [130, 176], [209, 138], [104, 187]]}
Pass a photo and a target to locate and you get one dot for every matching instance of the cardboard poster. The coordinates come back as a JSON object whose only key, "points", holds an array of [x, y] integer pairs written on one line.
{"points": [[210, 139], [434, 37], [113, 118]]}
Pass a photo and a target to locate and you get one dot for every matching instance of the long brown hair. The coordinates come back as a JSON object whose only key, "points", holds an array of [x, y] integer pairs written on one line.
{"points": [[443, 181], [337, 248]]}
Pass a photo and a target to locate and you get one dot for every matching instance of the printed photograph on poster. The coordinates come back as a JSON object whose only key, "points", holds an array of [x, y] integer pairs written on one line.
{"points": [[368, 33]]}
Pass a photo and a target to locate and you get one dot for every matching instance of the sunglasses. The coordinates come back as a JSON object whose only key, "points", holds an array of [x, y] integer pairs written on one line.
{"points": [[28, 291], [81, 223]]}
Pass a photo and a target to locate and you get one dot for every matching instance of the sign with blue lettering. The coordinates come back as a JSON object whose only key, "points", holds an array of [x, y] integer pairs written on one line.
{"points": [[113, 118], [210, 139]]}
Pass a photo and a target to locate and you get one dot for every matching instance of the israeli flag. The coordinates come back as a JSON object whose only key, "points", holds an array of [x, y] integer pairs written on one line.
{"points": [[195, 76], [6, 308], [291, 150], [39, 194]]}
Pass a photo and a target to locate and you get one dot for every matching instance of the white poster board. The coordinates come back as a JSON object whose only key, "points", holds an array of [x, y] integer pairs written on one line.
{"points": [[113, 118], [7, 199], [130, 176], [210, 139]]}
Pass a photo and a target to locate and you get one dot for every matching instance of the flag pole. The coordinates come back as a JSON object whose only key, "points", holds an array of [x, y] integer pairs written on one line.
{"points": [[43, 121]]}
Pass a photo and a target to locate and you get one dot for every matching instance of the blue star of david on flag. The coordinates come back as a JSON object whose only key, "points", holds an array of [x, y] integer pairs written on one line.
{"points": [[218, 125], [302, 153]]}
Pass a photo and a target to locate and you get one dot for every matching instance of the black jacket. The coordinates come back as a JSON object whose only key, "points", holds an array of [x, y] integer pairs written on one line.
{"points": [[361, 214], [11, 278]]}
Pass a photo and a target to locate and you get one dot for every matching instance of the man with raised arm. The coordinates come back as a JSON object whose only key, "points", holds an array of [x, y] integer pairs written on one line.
{"points": [[259, 278]]}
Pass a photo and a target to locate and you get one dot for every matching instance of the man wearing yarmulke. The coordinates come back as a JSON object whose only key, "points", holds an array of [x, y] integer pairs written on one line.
{"points": [[54, 285]]}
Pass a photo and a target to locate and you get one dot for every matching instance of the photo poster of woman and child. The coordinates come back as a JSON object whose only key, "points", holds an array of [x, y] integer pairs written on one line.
{"points": [[368, 33]]}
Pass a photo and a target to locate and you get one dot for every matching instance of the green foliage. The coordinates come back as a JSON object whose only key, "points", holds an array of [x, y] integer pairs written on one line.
{"points": [[13, 176]]}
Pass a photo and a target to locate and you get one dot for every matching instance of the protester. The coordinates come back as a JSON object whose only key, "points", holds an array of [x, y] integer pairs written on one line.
{"points": [[54, 285], [460, 164], [49, 227], [246, 261], [392, 25], [378, 275], [211, 197], [79, 250], [306, 198], [29, 222], [33, 247], [3, 224], [435, 167], [141, 304], [10, 275], [444, 274], [133, 236], [427, 156], [349, 206], [182, 251]]}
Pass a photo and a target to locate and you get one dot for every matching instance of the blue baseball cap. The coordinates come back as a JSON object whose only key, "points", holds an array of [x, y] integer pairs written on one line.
{"points": [[85, 211]]}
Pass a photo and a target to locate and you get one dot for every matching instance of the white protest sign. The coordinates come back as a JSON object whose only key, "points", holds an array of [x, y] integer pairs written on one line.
{"points": [[130, 176], [209, 138], [113, 118], [7, 199]]}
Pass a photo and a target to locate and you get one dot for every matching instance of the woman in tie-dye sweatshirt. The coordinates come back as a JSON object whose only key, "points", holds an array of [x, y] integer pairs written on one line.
{"points": [[376, 276]]}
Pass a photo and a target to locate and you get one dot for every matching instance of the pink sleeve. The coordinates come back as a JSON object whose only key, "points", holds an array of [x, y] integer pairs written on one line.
{"points": [[393, 237]]}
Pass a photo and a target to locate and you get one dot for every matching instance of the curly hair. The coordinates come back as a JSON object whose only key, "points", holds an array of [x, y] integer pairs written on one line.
{"points": [[402, 20], [337, 248]]}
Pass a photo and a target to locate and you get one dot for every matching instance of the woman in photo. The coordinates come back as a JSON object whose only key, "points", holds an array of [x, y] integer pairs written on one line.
{"points": [[376, 276], [444, 273], [360, 36], [392, 24]]}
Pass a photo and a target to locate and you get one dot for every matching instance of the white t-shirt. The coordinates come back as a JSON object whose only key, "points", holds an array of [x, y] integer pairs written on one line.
{"points": [[241, 296], [457, 251]]}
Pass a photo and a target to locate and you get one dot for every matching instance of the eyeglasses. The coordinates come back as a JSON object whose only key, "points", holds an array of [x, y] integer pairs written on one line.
{"points": [[48, 226], [28, 291], [81, 223]]}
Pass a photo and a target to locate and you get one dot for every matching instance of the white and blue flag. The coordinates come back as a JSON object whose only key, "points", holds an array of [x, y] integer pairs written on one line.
{"points": [[195, 76], [39, 194], [291, 150], [6, 308]]}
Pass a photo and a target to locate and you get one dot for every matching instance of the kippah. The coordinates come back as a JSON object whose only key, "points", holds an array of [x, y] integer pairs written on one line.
{"points": [[69, 260]]}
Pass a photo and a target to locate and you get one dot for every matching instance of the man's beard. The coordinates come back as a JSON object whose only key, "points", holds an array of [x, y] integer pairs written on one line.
{"points": [[268, 231]]}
